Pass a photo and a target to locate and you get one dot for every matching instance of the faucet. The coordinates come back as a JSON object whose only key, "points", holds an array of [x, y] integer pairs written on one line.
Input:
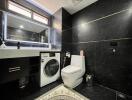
{"points": [[18, 45]]}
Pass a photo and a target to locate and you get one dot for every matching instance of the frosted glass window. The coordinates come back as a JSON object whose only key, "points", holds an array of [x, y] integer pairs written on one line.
{"points": [[19, 9], [40, 18]]}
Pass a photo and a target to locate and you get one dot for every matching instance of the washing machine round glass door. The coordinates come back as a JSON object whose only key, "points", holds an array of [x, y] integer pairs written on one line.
{"points": [[51, 67]]}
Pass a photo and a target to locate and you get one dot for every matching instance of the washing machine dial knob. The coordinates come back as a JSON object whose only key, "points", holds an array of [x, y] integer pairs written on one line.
{"points": [[42, 60]]}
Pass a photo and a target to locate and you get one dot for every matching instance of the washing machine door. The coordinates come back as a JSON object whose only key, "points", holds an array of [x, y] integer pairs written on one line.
{"points": [[51, 67]]}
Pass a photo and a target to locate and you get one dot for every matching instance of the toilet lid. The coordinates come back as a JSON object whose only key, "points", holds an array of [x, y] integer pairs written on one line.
{"points": [[70, 69]]}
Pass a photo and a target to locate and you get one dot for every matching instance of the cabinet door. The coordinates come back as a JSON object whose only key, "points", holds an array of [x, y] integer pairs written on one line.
{"points": [[13, 69]]}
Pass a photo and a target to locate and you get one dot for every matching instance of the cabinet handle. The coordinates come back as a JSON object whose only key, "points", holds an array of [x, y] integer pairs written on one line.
{"points": [[14, 69]]}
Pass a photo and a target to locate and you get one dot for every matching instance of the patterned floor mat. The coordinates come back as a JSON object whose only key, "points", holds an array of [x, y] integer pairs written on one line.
{"points": [[62, 93]]}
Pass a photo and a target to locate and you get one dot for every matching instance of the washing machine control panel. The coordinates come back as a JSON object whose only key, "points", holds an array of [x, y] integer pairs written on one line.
{"points": [[43, 55], [51, 54]]}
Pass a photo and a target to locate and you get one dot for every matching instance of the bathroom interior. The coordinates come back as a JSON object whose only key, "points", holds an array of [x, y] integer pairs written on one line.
{"points": [[65, 49]]}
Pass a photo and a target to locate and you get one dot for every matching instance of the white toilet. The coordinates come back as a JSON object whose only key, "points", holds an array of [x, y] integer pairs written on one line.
{"points": [[72, 75]]}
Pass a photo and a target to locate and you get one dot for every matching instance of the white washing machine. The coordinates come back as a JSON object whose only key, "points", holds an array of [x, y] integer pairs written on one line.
{"points": [[50, 68]]}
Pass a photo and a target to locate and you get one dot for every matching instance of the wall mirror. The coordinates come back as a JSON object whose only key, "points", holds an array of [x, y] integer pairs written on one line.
{"points": [[19, 29]]}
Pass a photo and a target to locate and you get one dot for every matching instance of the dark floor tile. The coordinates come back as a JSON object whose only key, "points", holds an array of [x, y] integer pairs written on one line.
{"points": [[42, 90], [113, 69], [95, 92], [123, 97], [11, 91]]}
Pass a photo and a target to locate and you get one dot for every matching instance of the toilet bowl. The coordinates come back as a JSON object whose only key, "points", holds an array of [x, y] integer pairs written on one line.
{"points": [[73, 73]]}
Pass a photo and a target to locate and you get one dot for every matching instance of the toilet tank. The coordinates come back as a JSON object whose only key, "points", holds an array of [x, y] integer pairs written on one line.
{"points": [[77, 60]]}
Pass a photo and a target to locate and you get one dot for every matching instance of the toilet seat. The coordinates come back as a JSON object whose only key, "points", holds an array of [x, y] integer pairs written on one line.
{"points": [[71, 76], [70, 69]]}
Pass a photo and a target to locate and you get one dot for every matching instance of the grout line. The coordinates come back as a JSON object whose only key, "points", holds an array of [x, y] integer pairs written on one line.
{"points": [[67, 26], [106, 16], [66, 42], [103, 40], [100, 18], [112, 90], [116, 96]]}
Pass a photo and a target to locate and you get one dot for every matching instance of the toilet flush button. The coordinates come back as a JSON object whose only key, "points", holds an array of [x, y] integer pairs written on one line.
{"points": [[114, 50]]}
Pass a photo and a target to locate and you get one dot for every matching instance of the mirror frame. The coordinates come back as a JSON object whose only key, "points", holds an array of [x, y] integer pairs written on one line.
{"points": [[22, 18]]}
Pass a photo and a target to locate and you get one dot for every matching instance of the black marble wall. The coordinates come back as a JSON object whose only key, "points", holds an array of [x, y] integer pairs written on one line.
{"points": [[103, 30], [66, 31], [66, 36]]}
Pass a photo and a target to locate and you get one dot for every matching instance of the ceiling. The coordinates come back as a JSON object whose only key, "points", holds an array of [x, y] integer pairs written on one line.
{"points": [[72, 6]]}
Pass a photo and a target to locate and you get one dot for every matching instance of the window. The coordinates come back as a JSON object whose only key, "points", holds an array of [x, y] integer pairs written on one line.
{"points": [[40, 18], [26, 12], [19, 9]]}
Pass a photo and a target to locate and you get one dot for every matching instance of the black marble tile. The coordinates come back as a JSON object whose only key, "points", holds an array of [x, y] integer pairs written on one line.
{"points": [[113, 62], [42, 90], [67, 19], [113, 27], [67, 35], [113, 69], [95, 92], [66, 47], [123, 97], [99, 9], [66, 27], [11, 91], [86, 32], [89, 52]]}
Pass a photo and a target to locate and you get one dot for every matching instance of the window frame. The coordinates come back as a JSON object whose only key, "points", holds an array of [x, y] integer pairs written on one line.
{"points": [[31, 11], [28, 11], [33, 14]]}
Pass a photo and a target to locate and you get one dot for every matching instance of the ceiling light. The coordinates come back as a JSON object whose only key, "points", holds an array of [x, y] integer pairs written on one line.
{"points": [[21, 26]]}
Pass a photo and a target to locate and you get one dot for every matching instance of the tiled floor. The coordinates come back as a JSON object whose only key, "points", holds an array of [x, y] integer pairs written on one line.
{"points": [[95, 92], [11, 91], [62, 93]]}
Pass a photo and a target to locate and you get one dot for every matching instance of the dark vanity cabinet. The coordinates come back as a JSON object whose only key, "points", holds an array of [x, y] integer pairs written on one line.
{"points": [[13, 69]]}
